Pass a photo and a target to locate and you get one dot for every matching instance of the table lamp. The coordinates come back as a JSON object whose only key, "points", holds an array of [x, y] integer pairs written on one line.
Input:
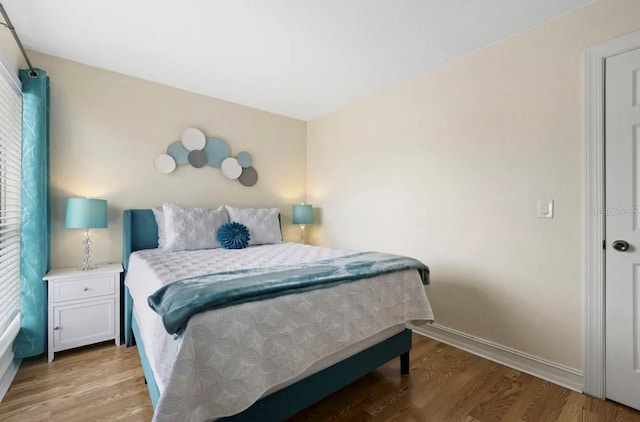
{"points": [[303, 215], [86, 213]]}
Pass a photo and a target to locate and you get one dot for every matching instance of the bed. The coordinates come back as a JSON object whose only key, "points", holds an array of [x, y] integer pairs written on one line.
{"points": [[297, 387]]}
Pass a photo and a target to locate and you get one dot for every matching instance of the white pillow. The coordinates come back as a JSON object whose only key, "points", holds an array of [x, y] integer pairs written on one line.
{"points": [[159, 214], [188, 229], [263, 223]]}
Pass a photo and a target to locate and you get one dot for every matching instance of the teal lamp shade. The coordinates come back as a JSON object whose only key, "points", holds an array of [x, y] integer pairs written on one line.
{"points": [[85, 213], [302, 214]]}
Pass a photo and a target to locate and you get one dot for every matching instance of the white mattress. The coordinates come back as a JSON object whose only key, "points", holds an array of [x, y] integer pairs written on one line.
{"points": [[228, 358]]}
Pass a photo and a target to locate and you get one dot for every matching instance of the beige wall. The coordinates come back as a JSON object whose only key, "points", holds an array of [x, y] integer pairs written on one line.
{"points": [[9, 52], [447, 167], [107, 128]]}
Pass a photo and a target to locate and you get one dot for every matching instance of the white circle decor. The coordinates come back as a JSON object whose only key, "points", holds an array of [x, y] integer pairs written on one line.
{"points": [[231, 168], [164, 163], [193, 139]]}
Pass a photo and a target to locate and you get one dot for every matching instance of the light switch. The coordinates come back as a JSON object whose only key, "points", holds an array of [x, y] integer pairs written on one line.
{"points": [[545, 208]]}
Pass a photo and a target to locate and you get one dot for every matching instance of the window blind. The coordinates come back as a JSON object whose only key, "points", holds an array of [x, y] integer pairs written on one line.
{"points": [[10, 182]]}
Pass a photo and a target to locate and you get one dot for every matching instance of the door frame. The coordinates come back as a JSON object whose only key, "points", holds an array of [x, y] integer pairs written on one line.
{"points": [[594, 234]]}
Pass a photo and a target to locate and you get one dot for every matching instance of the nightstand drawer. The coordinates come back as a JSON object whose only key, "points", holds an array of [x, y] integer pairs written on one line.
{"points": [[85, 288]]}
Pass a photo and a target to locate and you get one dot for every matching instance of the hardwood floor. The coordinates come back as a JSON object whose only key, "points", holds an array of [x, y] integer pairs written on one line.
{"points": [[95, 383], [105, 383]]}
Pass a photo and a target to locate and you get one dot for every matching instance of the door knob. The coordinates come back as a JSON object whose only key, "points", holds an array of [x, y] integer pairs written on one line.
{"points": [[620, 246]]}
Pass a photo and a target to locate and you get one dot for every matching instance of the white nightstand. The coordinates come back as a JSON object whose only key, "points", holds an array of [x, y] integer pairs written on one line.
{"points": [[84, 307]]}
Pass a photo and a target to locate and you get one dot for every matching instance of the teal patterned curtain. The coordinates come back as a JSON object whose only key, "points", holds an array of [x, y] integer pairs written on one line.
{"points": [[34, 241]]}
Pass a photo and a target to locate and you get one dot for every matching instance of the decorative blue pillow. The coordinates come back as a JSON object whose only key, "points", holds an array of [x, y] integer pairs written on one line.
{"points": [[233, 235]]}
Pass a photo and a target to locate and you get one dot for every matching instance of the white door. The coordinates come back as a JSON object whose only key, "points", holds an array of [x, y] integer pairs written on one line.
{"points": [[622, 162]]}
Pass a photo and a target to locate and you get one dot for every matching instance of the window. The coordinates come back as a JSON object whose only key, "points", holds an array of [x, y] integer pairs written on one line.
{"points": [[10, 176]]}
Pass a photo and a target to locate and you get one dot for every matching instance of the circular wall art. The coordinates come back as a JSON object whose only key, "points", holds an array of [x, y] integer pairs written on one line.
{"points": [[231, 168], [197, 158], [193, 139], [164, 163], [249, 177], [244, 159], [178, 152], [217, 151], [198, 151]]}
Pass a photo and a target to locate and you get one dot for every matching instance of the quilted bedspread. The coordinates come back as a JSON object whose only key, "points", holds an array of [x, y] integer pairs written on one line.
{"points": [[178, 301], [228, 358]]}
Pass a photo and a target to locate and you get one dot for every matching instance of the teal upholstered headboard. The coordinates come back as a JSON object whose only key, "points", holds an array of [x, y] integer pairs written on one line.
{"points": [[140, 232]]}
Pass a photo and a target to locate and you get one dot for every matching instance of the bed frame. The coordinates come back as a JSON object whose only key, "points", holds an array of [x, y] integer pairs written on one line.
{"points": [[141, 232]]}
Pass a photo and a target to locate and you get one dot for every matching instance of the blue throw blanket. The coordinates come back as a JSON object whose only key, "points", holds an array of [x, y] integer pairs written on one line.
{"points": [[178, 301]]}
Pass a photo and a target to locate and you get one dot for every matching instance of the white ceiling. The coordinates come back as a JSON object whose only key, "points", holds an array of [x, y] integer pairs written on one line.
{"points": [[299, 58]]}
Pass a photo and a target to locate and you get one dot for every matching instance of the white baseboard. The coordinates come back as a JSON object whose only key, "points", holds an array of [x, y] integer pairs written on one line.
{"points": [[8, 364], [570, 378], [6, 378]]}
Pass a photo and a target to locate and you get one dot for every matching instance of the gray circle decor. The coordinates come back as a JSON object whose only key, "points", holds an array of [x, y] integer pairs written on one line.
{"points": [[179, 153], [244, 159], [197, 158], [193, 139], [217, 151], [164, 163], [249, 177]]}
